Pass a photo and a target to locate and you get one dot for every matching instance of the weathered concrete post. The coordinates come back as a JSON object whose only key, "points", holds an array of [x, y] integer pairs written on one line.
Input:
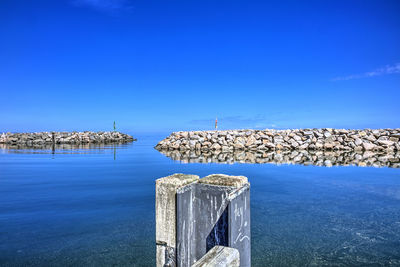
{"points": [[201, 214], [166, 216]]}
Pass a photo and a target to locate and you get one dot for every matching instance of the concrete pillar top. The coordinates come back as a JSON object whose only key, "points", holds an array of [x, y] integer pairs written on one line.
{"points": [[177, 179], [224, 180]]}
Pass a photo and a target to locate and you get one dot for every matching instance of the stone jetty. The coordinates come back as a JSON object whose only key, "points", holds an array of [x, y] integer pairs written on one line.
{"points": [[43, 138], [325, 139]]}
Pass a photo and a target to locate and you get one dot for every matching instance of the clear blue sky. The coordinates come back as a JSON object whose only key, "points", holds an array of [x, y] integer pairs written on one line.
{"points": [[176, 65]]}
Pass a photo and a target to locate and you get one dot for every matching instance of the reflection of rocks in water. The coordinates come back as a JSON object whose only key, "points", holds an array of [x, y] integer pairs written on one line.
{"points": [[59, 148], [319, 158], [47, 146]]}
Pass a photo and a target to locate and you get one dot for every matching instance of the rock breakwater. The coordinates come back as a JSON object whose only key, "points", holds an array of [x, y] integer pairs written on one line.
{"points": [[325, 139], [42, 138]]}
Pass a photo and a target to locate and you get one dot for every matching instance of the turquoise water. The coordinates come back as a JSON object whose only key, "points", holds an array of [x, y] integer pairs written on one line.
{"points": [[96, 207]]}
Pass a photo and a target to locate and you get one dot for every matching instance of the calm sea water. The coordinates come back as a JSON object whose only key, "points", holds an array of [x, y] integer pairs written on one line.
{"points": [[95, 207]]}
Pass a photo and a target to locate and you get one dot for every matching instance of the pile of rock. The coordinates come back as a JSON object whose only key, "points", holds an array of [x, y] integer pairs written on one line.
{"points": [[301, 157], [41, 138], [295, 139]]}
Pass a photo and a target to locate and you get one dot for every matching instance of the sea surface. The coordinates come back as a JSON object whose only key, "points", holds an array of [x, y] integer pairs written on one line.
{"points": [[94, 206]]}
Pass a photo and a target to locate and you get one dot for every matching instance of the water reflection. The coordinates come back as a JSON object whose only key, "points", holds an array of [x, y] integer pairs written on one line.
{"points": [[63, 148], [304, 157]]}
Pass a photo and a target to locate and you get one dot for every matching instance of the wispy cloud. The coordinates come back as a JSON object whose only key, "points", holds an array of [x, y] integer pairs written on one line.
{"points": [[388, 69], [111, 6]]}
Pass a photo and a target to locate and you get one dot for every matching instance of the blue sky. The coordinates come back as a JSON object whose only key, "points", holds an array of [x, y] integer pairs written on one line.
{"points": [[176, 65]]}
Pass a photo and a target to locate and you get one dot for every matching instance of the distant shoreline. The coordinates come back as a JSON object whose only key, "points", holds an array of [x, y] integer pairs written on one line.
{"points": [[324, 139], [43, 138]]}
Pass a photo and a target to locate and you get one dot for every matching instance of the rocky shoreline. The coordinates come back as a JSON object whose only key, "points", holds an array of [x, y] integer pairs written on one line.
{"points": [[43, 138], [325, 139]]}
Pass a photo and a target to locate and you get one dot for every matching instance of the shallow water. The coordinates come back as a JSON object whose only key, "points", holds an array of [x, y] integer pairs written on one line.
{"points": [[95, 206]]}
